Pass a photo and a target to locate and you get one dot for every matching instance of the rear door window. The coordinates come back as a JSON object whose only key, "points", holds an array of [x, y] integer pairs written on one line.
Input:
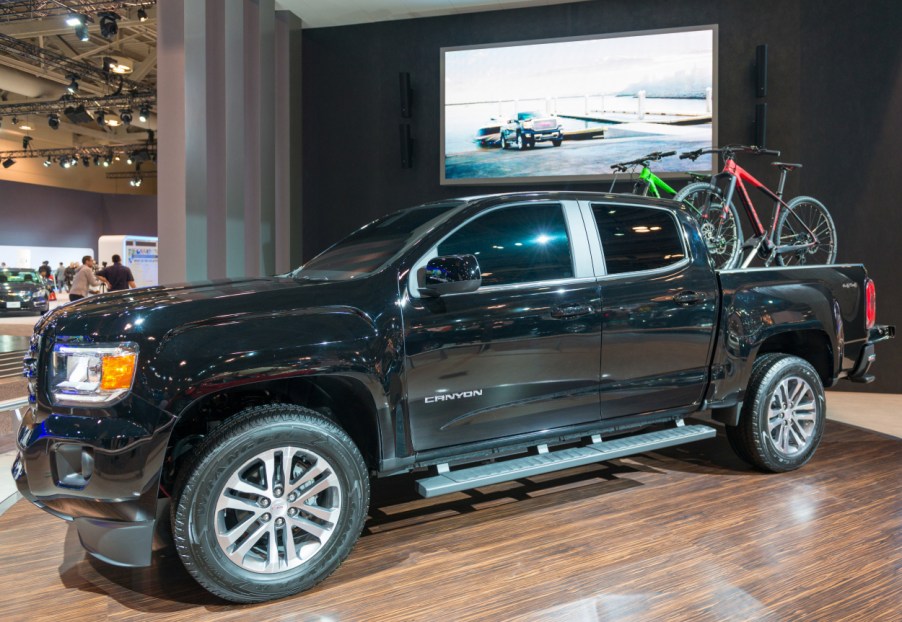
{"points": [[636, 238]]}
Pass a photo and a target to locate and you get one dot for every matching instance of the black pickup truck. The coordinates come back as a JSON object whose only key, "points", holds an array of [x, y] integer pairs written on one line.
{"points": [[476, 340]]}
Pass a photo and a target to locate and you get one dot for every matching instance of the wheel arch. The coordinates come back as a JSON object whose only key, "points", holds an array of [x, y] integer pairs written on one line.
{"points": [[343, 399]]}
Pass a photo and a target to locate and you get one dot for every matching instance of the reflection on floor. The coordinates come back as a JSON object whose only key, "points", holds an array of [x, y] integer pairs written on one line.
{"points": [[683, 533]]}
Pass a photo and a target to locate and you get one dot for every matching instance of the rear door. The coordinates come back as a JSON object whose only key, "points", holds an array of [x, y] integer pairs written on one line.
{"points": [[659, 308], [520, 354]]}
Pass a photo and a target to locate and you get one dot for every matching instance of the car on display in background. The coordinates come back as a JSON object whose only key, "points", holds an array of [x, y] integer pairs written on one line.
{"points": [[485, 339], [489, 135], [23, 289], [528, 128]]}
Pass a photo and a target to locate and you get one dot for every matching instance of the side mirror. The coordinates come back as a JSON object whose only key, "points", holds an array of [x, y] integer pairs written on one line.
{"points": [[454, 274]]}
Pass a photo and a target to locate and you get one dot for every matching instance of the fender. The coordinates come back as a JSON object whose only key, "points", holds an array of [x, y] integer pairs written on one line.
{"points": [[753, 314]]}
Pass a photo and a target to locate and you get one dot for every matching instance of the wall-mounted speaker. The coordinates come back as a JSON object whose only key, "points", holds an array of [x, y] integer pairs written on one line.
{"points": [[406, 146], [761, 125], [406, 95], [761, 71]]}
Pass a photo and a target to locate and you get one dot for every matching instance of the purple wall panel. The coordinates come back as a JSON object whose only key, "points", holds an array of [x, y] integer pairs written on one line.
{"points": [[33, 215]]}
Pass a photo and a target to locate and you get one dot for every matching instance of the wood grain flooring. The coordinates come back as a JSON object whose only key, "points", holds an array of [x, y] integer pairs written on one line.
{"points": [[687, 533]]}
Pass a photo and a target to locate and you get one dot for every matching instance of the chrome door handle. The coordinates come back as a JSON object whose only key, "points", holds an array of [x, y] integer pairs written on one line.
{"points": [[569, 311], [688, 297]]}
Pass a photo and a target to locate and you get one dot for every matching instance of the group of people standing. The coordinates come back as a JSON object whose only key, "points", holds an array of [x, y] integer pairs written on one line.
{"points": [[81, 279]]}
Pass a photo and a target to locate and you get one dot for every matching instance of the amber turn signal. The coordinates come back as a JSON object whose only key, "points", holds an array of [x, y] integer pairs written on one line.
{"points": [[118, 371]]}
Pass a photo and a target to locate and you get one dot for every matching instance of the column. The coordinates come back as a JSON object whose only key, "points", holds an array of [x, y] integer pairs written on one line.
{"points": [[225, 176]]}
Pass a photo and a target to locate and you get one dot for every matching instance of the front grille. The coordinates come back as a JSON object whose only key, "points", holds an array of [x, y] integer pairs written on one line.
{"points": [[30, 367]]}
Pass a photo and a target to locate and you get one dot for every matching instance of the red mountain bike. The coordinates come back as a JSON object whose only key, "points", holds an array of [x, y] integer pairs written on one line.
{"points": [[800, 232]]}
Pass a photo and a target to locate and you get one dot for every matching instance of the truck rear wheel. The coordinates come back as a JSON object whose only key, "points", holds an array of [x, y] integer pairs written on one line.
{"points": [[270, 505], [783, 419]]}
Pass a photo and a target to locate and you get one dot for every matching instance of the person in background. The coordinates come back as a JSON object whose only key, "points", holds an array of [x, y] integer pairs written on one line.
{"points": [[85, 279], [45, 271], [118, 276], [70, 274], [60, 276]]}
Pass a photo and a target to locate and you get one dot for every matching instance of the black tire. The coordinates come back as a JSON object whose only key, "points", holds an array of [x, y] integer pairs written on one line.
{"points": [[556, 143], [521, 142], [722, 232], [227, 508], [815, 217], [783, 416], [503, 141]]}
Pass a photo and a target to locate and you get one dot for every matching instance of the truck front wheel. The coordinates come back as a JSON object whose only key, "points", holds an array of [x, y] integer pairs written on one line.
{"points": [[783, 419], [270, 505]]}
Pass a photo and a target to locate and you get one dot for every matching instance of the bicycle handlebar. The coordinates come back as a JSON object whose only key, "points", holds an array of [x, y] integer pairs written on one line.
{"points": [[729, 150], [644, 160]]}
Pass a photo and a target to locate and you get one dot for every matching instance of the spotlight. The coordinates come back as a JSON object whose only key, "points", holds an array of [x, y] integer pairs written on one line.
{"points": [[108, 161], [82, 33], [53, 121], [144, 113], [73, 83], [108, 24], [15, 121], [73, 161], [100, 117], [85, 161], [26, 142], [135, 181], [48, 163], [76, 19], [130, 160], [142, 15], [8, 162], [64, 162], [97, 160], [126, 116]]}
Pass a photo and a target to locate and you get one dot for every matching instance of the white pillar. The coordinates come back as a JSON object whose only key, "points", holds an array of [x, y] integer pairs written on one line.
{"points": [[641, 113], [217, 94]]}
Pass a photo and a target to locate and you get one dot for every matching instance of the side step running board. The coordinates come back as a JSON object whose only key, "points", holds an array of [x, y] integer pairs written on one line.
{"points": [[493, 473]]}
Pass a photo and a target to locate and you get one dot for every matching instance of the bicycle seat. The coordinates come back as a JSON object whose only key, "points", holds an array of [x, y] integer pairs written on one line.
{"points": [[700, 176], [786, 166]]}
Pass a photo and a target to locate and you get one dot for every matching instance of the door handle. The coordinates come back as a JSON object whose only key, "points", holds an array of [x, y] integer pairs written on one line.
{"points": [[569, 311], [688, 297]]}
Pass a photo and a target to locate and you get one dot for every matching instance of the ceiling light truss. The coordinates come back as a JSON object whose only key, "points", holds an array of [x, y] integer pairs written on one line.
{"points": [[138, 99], [140, 152], [36, 55], [16, 10]]}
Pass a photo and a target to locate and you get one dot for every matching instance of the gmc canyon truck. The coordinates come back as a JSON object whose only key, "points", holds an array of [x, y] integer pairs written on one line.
{"points": [[476, 341]]}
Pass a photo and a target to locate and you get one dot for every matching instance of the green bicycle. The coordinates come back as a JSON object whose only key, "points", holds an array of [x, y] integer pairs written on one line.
{"points": [[720, 227]]}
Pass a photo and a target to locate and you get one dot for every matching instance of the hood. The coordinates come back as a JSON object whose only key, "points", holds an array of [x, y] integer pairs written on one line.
{"points": [[138, 314]]}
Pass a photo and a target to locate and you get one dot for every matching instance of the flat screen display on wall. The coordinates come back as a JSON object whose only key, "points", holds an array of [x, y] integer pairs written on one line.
{"points": [[567, 109]]}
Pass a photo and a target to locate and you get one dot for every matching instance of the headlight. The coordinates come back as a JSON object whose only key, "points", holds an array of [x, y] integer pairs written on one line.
{"points": [[97, 374]]}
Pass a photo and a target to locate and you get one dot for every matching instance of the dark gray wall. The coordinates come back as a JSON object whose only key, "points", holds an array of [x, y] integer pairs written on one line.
{"points": [[835, 90], [33, 215], [851, 122]]}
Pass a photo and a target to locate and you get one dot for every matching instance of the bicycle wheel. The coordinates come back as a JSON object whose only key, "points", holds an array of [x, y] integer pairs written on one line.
{"points": [[806, 221], [719, 225]]}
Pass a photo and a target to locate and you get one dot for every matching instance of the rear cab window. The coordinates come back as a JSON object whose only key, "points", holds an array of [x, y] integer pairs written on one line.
{"points": [[638, 238]]}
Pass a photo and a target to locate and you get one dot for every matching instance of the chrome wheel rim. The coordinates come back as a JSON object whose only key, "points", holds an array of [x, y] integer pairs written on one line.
{"points": [[791, 416], [277, 510]]}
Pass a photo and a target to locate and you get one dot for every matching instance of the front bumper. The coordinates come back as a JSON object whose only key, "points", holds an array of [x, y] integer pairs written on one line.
{"points": [[867, 356], [542, 135], [98, 469]]}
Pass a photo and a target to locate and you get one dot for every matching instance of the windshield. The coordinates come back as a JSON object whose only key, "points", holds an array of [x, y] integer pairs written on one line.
{"points": [[17, 275], [368, 249]]}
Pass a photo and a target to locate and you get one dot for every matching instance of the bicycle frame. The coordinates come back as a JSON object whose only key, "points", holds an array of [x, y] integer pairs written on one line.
{"points": [[654, 184], [737, 178]]}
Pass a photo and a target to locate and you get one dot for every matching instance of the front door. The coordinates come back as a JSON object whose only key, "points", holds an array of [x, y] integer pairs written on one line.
{"points": [[520, 354]]}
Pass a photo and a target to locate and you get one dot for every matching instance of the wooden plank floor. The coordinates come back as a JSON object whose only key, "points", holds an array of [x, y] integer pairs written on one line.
{"points": [[688, 533]]}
